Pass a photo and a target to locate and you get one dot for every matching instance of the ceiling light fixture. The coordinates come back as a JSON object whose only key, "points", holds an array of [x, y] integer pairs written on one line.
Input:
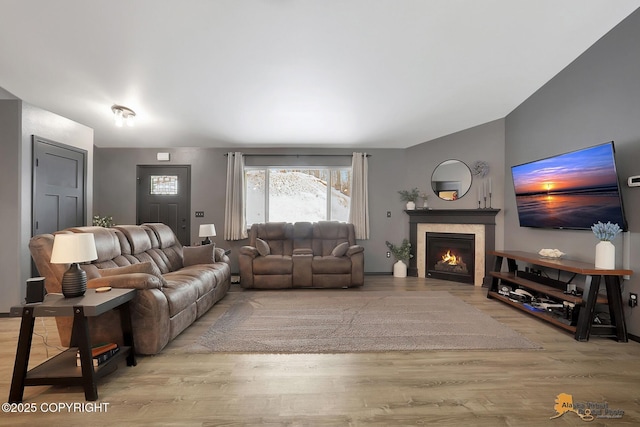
{"points": [[123, 114]]}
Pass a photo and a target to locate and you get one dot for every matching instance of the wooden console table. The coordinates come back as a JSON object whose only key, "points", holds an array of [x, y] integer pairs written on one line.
{"points": [[62, 369], [556, 290]]}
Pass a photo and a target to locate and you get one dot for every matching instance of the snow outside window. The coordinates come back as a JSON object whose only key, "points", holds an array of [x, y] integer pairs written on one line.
{"points": [[291, 195]]}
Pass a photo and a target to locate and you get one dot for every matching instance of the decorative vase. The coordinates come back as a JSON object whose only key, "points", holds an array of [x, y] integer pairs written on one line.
{"points": [[399, 269], [411, 206], [606, 255]]}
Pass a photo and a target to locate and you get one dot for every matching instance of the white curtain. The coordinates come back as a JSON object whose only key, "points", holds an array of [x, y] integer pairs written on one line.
{"points": [[235, 227], [359, 210]]}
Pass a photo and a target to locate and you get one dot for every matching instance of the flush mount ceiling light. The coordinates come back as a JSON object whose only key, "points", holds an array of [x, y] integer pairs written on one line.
{"points": [[123, 114]]}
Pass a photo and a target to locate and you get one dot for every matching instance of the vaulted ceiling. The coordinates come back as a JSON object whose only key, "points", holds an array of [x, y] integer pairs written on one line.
{"points": [[303, 73]]}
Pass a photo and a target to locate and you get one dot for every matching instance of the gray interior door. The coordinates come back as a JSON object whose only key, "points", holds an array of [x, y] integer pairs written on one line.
{"points": [[59, 183], [164, 195]]}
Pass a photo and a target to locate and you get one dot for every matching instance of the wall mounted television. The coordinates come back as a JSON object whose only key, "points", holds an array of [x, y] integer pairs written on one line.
{"points": [[570, 191]]}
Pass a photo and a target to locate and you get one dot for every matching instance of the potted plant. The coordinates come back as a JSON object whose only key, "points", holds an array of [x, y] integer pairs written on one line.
{"points": [[103, 221], [402, 254], [409, 196], [605, 250]]}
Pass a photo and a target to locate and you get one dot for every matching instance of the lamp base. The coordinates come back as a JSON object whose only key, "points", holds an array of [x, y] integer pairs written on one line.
{"points": [[74, 281], [206, 241]]}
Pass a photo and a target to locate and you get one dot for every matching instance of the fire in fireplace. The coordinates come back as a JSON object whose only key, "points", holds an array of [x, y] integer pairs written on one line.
{"points": [[450, 256]]}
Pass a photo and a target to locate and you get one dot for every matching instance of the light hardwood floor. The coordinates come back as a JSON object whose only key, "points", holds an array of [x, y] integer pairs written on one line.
{"points": [[456, 388]]}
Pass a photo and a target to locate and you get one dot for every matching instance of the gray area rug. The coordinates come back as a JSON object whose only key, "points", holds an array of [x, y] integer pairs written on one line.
{"points": [[342, 321]]}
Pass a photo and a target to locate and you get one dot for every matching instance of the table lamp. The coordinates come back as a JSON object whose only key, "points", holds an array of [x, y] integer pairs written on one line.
{"points": [[72, 249], [207, 230]]}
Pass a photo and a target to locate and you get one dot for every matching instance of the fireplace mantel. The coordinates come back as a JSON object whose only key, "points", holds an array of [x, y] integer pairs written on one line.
{"points": [[486, 217]]}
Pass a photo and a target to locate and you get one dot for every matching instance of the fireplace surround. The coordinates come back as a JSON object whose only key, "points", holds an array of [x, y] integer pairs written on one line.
{"points": [[479, 222]]}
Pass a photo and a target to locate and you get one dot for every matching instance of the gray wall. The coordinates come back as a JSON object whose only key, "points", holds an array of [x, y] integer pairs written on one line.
{"points": [[594, 100], [18, 122], [11, 256], [485, 143]]}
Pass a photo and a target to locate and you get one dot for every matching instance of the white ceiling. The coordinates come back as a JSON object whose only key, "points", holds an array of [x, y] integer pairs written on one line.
{"points": [[303, 73]]}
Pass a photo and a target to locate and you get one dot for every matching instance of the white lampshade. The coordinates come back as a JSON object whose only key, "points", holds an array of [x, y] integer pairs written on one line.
{"points": [[70, 248], [207, 230]]}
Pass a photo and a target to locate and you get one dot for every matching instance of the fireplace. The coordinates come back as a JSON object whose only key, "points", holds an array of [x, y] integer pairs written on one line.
{"points": [[479, 222], [450, 256]]}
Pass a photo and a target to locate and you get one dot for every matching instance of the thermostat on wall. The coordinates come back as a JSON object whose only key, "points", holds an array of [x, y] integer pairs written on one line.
{"points": [[634, 181]]}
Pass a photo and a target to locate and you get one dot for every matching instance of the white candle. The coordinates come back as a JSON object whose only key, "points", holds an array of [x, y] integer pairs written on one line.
{"points": [[484, 189], [489, 185]]}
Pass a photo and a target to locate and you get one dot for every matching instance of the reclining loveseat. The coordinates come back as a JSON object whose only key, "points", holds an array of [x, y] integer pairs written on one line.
{"points": [[175, 284], [301, 255]]}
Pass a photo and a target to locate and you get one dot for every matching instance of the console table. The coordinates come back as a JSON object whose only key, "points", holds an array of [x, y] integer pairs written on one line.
{"points": [[62, 369], [556, 290]]}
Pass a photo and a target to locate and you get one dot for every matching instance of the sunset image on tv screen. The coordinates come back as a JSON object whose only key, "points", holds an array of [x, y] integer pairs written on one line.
{"points": [[572, 190]]}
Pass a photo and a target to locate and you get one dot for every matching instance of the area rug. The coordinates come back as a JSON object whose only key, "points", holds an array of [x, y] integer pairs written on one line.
{"points": [[342, 321]]}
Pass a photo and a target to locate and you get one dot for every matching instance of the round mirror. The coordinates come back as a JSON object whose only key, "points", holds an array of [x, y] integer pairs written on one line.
{"points": [[451, 179]]}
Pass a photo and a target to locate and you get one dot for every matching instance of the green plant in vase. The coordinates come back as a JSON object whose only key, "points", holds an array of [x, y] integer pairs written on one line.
{"points": [[409, 196], [402, 254]]}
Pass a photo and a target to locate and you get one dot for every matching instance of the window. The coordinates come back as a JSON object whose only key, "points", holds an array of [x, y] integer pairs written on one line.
{"points": [[164, 184], [292, 194]]}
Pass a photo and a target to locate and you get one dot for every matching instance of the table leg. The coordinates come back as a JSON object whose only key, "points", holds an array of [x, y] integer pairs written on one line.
{"points": [[493, 285], [80, 338], [22, 356], [127, 333], [614, 297], [587, 312]]}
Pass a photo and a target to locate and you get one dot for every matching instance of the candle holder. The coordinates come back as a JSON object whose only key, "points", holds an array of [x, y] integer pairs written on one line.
{"points": [[489, 200], [478, 204], [485, 202]]}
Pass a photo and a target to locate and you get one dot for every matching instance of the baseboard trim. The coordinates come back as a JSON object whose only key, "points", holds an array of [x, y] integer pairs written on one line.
{"points": [[633, 337]]}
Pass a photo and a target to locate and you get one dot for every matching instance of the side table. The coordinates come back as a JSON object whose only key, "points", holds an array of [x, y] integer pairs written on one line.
{"points": [[62, 369]]}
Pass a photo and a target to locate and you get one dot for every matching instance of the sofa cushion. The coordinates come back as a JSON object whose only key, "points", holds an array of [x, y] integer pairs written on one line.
{"points": [[277, 234], [329, 234], [194, 255], [163, 232], [340, 250], [273, 264], [142, 267], [181, 291], [137, 237], [330, 265], [107, 244], [262, 247]]}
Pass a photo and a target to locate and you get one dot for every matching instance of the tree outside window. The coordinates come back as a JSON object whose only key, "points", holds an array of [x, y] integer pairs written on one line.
{"points": [[294, 194]]}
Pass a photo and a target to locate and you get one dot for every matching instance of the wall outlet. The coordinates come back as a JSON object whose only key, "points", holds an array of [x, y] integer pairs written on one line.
{"points": [[388, 214], [199, 214], [388, 254], [633, 300]]}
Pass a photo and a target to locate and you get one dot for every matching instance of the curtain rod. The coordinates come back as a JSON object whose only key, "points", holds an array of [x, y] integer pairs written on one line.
{"points": [[297, 155]]}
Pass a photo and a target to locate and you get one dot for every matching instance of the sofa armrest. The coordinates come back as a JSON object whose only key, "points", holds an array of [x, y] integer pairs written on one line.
{"points": [[357, 268], [246, 255], [355, 249], [221, 256], [129, 280], [249, 251]]}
